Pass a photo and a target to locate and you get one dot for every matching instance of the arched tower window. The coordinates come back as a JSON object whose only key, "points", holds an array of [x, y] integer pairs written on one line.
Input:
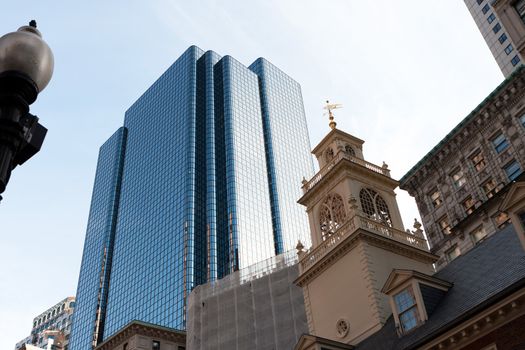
{"points": [[332, 214], [329, 155], [374, 206], [349, 150]]}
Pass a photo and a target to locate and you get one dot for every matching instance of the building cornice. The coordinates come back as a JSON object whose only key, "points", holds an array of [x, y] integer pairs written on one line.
{"points": [[492, 101], [349, 165], [349, 243], [332, 134], [145, 329]]}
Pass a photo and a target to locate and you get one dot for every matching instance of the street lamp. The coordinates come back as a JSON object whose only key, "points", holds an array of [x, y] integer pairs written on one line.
{"points": [[26, 66]]}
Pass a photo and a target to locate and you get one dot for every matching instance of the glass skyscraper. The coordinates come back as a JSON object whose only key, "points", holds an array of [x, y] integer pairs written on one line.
{"points": [[200, 181]]}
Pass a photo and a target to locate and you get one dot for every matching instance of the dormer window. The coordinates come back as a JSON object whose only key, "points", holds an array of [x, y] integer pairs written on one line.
{"points": [[413, 297], [407, 309]]}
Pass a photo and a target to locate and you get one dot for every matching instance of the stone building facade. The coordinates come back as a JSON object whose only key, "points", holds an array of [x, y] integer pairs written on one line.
{"points": [[512, 17], [139, 335], [498, 33], [368, 284], [462, 179], [57, 318]]}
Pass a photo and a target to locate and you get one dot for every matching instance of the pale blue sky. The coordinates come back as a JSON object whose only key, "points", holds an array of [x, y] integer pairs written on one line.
{"points": [[406, 72]]}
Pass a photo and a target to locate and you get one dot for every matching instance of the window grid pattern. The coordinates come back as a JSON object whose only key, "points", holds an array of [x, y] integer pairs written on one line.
{"points": [[458, 178], [374, 206], [512, 170], [332, 214], [435, 198], [214, 158], [249, 208], [96, 261], [153, 258], [407, 309], [500, 143], [287, 152], [478, 161]]}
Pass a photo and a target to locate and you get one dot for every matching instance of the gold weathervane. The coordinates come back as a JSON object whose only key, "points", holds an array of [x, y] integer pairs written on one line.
{"points": [[330, 107]]}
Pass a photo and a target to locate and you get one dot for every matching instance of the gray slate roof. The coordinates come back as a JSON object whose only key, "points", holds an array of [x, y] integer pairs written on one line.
{"points": [[491, 269]]}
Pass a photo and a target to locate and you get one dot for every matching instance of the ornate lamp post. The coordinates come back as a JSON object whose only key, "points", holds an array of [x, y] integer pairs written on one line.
{"points": [[26, 66]]}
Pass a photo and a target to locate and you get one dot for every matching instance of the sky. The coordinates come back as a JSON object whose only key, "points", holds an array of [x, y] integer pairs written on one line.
{"points": [[406, 73]]}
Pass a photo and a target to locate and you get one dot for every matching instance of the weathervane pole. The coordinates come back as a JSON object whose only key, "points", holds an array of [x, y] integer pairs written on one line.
{"points": [[330, 107]]}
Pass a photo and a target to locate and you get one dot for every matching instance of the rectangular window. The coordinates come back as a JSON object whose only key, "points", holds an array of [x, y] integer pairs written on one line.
{"points": [[491, 18], [453, 253], [478, 161], [155, 345], [485, 8], [522, 120], [496, 28], [478, 234], [520, 8], [500, 143], [501, 220], [512, 170], [480, 2], [444, 225], [515, 60], [508, 49], [468, 205], [502, 38], [458, 178], [489, 188], [435, 198], [407, 309]]}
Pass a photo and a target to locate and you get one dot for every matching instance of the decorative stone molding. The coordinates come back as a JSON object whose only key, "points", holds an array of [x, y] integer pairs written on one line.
{"points": [[145, 329]]}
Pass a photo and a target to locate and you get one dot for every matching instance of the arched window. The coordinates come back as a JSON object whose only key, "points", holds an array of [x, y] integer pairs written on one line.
{"points": [[329, 154], [349, 150], [374, 206], [332, 214]]}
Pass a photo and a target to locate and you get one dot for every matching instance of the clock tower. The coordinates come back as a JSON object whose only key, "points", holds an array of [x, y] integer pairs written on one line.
{"points": [[357, 239]]}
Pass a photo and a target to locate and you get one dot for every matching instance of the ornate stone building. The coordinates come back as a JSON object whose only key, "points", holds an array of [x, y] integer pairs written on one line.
{"points": [[459, 184], [370, 285], [139, 335], [357, 237], [50, 325]]}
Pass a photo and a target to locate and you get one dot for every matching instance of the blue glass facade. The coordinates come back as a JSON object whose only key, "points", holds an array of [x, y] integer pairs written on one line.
{"points": [[195, 185], [286, 138], [98, 245]]}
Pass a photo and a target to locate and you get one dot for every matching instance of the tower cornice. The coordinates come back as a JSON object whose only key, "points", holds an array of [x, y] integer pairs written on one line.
{"points": [[332, 135], [359, 228], [348, 163]]}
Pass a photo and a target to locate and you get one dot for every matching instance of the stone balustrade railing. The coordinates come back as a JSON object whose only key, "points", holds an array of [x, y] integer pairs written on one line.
{"points": [[309, 258], [340, 156]]}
